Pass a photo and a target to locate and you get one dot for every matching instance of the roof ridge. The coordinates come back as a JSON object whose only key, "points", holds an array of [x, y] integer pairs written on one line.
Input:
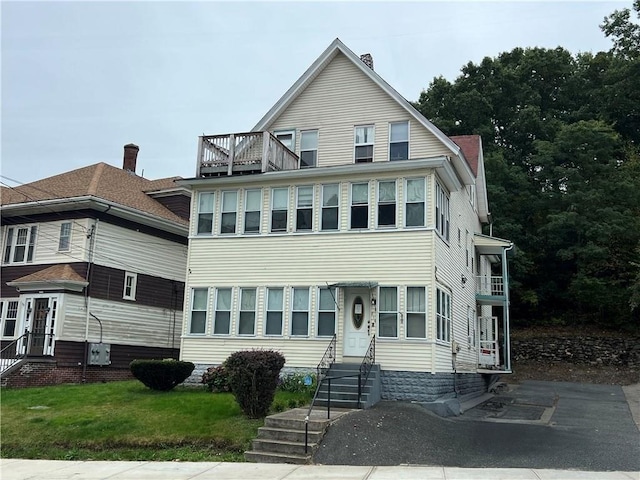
{"points": [[95, 180]]}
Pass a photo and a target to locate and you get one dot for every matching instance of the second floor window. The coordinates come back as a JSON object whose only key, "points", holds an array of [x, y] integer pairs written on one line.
{"points": [[442, 212], [387, 204], [205, 213], [360, 205], [199, 297], [308, 149], [414, 209], [252, 207], [330, 199], [279, 209], [130, 283], [399, 141], [20, 244], [364, 144], [304, 210], [229, 212], [64, 242]]}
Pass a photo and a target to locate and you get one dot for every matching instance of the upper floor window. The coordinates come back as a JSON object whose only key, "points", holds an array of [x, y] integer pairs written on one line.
{"points": [[229, 212], [247, 319], [205, 212], [399, 141], [308, 148], [326, 312], [442, 212], [330, 201], [414, 209], [359, 205], [304, 208], [222, 312], [130, 283], [287, 138], [279, 209], [300, 312], [275, 314], [388, 312], [416, 313], [199, 298], [9, 317], [443, 315], [364, 144], [387, 203], [64, 242], [20, 244], [252, 208]]}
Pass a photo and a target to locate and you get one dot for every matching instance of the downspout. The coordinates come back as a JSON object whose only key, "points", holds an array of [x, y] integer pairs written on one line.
{"points": [[91, 235], [507, 338]]}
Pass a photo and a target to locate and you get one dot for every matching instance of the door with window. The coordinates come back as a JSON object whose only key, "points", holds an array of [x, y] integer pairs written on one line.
{"points": [[38, 333], [357, 322]]}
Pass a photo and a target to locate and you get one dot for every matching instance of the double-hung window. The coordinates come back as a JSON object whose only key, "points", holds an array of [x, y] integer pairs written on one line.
{"points": [[359, 205], [222, 314], [416, 313], [205, 213], [387, 204], [300, 312], [199, 300], [275, 313], [20, 244], [330, 199], [326, 312], [64, 242], [442, 212], [130, 283], [388, 312], [443, 315], [10, 317], [308, 148], [247, 317], [304, 208], [252, 207], [415, 198], [287, 138], [229, 211], [279, 209], [363, 139], [399, 141]]}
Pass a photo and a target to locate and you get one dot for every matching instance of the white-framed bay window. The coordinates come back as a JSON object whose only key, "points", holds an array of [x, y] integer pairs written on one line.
{"points": [[274, 321], [300, 312], [443, 315], [20, 243], [416, 312], [388, 312], [326, 318], [247, 312], [415, 202], [222, 311], [206, 202], [198, 314]]}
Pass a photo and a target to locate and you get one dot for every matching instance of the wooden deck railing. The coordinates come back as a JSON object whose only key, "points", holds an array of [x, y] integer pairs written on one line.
{"points": [[238, 153]]}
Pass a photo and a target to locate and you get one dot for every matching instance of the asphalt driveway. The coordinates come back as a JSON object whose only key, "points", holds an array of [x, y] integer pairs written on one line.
{"points": [[553, 425]]}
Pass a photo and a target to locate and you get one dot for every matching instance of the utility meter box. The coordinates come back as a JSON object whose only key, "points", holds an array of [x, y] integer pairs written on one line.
{"points": [[99, 354]]}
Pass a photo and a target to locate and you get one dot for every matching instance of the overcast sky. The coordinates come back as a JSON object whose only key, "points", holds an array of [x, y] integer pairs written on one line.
{"points": [[82, 79]]}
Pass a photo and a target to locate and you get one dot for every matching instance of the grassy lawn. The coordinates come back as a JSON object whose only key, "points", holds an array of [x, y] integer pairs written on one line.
{"points": [[126, 421]]}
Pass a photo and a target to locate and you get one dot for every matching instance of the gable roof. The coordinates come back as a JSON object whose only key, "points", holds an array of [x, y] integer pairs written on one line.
{"points": [[470, 146], [54, 277], [319, 65], [98, 181]]}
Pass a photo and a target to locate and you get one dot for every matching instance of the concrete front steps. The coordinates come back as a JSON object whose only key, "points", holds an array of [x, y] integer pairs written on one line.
{"points": [[344, 387], [281, 440]]}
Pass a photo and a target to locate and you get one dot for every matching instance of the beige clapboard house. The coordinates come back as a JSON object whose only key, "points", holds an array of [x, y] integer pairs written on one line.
{"points": [[345, 228]]}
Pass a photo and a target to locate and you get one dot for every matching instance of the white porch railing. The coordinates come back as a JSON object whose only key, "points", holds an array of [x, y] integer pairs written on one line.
{"points": [[251, 152], [490, 286]]}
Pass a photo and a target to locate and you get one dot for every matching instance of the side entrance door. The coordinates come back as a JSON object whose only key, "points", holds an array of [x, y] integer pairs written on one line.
{"points": [[39, 326], [357, 321]]}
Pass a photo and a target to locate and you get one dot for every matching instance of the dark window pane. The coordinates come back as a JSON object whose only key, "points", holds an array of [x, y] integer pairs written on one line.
{"points": [[279, 221], [326, 324], [228, 223], [198, 322], [247, 323], [399, 151], [387, 215], [303, 220], [364, 154], [308, 158], [205, 222], [9, 328], [359, 216], [274, 323], [299, 322], [252, 222], [329, 219], [388, 325], [416, 325], [415, 214], [222, 323]]}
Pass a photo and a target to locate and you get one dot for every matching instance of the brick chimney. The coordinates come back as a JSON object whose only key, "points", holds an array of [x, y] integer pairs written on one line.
{"points": [[130, 157], [367, 59]]}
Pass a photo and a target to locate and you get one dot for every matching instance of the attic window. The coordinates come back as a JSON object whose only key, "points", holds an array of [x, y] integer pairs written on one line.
{"points": [[287, 138], [364, 143], [308, 149], [399, 141]]}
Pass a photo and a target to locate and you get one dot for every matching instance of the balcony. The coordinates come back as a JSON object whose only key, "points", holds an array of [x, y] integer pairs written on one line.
{"points": [[490, 290], [243, 153]]}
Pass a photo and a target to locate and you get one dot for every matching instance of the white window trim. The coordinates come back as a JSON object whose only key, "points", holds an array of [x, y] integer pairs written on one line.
{"points": [[424, 313], [372, 143], [4, 310], [442, 317], [212, 213], [308, 310], [443, 201], [68, 237], [318, 311], [245, 211], [317, 132], [215, 312], [351, 184], [397, 311], [222, 211], [191, 310], [408, 138], [313, 207], [286, 229], [29, 246], [255, 312], [395, 222], [282, 311], [322, 206], [406, 202], [134, 285], [292, 132]]}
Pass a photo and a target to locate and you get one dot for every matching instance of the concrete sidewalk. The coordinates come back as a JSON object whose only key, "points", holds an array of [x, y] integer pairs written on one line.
{"points": [[17, 469]]}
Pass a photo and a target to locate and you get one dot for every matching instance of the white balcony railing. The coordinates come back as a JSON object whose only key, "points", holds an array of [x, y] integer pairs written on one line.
{"points": [[490, 286]]}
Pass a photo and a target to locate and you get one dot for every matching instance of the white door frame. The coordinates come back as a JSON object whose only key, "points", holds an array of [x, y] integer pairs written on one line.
{"points": [[356, 338]]}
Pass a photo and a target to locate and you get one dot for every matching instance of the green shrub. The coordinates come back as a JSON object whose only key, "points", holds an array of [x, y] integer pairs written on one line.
{"points": [[253, 376], [297, 383], [161, 375], [216, 379]]}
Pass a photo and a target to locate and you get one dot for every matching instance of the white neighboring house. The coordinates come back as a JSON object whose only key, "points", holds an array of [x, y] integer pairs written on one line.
{"points": [[93, 267], [345, 228]]}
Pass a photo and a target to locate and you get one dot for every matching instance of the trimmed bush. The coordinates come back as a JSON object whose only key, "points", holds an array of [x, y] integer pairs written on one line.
{"points": [[161, 375], [253, 376], [216, 379]]}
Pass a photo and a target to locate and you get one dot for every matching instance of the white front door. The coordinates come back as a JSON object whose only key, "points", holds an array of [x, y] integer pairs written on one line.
{"points": [[357, 311]]}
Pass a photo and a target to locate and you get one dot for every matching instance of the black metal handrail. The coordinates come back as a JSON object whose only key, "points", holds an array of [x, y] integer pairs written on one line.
{"points": [[326, 361], [13, 344], [367, 362]]}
